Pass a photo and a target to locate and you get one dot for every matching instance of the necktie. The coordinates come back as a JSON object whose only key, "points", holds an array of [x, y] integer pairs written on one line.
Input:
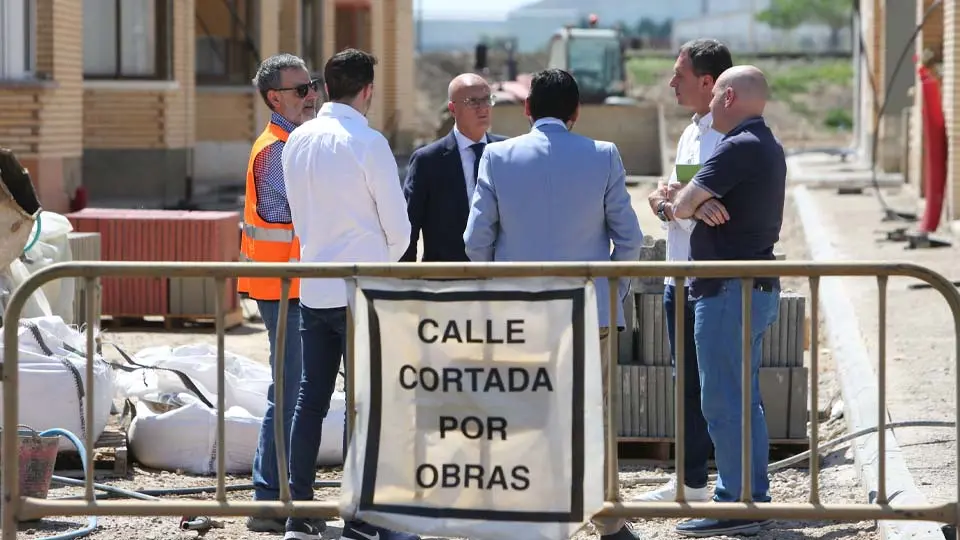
{"points": [[477, 152]]}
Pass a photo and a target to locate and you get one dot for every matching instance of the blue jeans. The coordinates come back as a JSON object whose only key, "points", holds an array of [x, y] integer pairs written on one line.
{"points": [[698, 444], [324, 336], [718, 335], [266, 478]]}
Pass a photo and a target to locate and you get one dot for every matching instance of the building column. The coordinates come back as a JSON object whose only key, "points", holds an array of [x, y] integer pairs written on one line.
{"points": [[406, 86], [951, 100], [329, 34], [268, 31], [899, 20], [871, 73], [291, 29], [39, 117], [180, 105], [929, 48], [380, 47]]}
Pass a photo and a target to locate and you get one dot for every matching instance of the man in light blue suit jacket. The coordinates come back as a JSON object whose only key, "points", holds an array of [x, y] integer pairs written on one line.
{"points": [[552, 195]]}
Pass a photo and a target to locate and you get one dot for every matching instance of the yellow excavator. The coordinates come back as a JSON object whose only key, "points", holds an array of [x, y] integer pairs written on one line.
{"points": [[595, 57]]}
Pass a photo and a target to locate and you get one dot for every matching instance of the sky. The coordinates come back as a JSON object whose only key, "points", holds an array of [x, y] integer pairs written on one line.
{"points": [[485, 9]]}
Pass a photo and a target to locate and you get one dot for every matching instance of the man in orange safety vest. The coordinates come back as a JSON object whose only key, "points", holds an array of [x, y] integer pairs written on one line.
{"points": [[284, 84]]}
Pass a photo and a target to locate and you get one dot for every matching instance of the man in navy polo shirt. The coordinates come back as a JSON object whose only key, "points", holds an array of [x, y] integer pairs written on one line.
{"points": [[737, 198]]}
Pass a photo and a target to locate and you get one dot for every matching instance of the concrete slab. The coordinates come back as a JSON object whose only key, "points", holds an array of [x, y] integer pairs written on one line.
{"points": [[823, 170], [858, 378]]}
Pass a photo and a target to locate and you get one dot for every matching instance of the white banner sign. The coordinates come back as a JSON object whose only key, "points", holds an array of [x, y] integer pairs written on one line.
{"points": [[469, 397]]}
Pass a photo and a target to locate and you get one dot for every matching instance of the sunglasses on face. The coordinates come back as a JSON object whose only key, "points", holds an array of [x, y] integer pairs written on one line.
{"points": [[302, 89]]}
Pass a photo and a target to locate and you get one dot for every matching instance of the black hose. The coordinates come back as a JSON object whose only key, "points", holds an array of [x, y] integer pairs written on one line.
{"points": [[889, 213], [154, 494]]}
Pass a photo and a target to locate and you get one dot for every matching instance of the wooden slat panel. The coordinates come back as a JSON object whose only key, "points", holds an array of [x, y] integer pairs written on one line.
{"points": [[119, 119], [225, 116]]}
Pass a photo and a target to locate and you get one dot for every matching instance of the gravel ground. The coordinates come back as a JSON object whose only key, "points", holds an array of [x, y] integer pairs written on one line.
{"points": [[838, 476], [787, 485]]}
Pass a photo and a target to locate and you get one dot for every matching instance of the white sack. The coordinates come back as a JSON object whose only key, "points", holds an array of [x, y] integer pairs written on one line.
{"points": [[10, 279], [48, 396], [246, 381], [185, 438], [53, 246]]}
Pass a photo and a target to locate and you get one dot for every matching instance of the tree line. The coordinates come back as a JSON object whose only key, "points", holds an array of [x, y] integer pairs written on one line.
{"points": [[787, 15]]}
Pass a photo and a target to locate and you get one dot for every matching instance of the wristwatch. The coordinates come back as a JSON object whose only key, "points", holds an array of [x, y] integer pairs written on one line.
{"points": [[660, 212]]}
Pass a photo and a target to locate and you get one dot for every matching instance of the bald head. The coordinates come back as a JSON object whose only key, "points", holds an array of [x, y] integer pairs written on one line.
{"points": [[462, 82], [740, 92], [469, 102], [747, 82]]}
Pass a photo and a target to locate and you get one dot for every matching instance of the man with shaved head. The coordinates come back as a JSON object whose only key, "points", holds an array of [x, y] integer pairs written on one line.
{"points": [[441, 176], [737, 199], [699, 64]]}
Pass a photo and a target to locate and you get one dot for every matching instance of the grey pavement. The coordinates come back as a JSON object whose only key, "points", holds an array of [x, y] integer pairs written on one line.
{"points": [[921, 365]]}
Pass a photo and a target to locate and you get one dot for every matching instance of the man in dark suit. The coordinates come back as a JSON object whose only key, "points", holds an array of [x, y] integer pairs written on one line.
{"points": [[441, 176]]}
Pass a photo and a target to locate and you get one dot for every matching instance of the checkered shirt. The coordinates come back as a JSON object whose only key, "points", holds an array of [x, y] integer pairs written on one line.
{"points": [[268, 178]]}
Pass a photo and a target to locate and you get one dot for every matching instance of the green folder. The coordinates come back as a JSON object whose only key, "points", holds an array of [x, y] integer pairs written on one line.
{"points": [[685, 173]]}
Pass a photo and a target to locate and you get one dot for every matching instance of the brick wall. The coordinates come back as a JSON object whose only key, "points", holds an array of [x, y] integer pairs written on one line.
{"points": [[329, 29], [20, 118], [290, 27], [226, 114], [406, 84], [378, 45], [388, 73], [395, 97], [131, 114], [930, 41], [179, 106], [38, 119], [951, 99], [61, 130], [868, 72], [931, 36], [268, 22]]}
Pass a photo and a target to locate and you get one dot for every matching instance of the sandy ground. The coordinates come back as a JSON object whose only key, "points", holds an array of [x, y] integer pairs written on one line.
{"points": [[838, 477]]}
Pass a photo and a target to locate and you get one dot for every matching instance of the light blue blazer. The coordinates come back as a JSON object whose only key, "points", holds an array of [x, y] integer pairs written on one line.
{"points": [[553, 195]]}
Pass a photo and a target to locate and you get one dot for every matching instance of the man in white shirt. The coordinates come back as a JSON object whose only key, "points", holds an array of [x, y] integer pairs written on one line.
{"points": [[699, 64], [347, 206]]}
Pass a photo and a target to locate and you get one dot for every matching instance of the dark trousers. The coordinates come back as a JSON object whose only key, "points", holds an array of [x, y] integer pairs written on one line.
{"points": [[698, 443], [323, 333]]}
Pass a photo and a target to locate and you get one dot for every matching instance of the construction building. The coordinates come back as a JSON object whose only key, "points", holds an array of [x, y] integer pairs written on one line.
{"points": [[146, 101], [888, 28]]}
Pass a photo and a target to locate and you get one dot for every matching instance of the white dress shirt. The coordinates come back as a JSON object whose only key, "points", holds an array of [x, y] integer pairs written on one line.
{"points": [[345, 197], [696, 145], [468, 159]]}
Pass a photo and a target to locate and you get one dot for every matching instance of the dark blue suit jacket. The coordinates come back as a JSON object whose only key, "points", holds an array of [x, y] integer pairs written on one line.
{"points": [[437, 203]]}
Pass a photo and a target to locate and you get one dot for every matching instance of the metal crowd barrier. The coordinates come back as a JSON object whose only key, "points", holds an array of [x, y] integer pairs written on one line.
{"points": [[16, 508]]}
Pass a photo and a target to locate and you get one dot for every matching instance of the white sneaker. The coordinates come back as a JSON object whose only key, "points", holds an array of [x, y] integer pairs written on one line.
{"points": [[668, 493]]}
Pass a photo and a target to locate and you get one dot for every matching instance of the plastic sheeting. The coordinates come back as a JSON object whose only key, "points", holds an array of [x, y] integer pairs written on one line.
{"points": [[52, 371], [53, 246], [174, 430]]}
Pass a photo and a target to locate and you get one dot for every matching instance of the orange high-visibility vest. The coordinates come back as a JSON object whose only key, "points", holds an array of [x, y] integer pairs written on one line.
{"points": [[262, 241]]}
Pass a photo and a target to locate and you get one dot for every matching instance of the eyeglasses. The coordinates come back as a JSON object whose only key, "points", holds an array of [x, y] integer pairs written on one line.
{"points": [[478, 103], [302, 89]]}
